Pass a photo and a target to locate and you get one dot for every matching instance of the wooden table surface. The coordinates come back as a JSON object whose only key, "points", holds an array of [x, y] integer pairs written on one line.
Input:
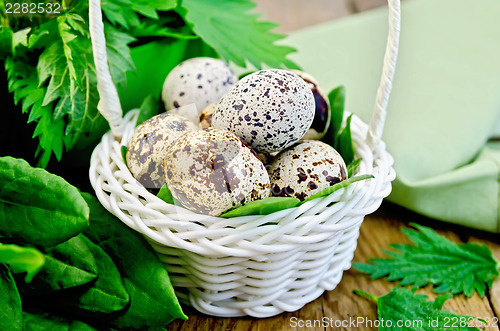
{"points": [[377, 231]]}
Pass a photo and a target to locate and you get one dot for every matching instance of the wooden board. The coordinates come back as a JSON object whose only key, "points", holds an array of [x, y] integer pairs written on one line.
{"points": [[357, 313], [342, 306]]}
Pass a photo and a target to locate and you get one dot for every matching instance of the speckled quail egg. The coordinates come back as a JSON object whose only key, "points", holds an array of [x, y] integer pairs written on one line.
{"points": [[210, 171], [200, 80], [269, 109], [206, 115], [305, 169], [322, 113], [148, 146]]}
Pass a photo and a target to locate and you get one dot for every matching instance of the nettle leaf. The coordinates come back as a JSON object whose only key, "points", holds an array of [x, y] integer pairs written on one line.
{"points": [[23, 83], [22, 259], [6, 34], [119, 57], [72, 83], [149, 8], [120, 12], [235, 33], [402, 309], [60, 91], [450, 267], [159, 28], [125, 13]]}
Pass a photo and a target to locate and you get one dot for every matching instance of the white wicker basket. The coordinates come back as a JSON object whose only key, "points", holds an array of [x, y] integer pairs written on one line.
{"points": [[251, 265]]}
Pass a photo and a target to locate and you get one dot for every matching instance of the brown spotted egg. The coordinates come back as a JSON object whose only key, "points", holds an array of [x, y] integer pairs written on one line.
{"points": [[322, 114], [210, 171], [269, 109], [206, 115], [148, 146], [200, 81], [305, 169]]}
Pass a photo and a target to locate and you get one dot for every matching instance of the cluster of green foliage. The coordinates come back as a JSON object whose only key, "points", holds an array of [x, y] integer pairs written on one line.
{"points": [[50, 66], [449, 267], [67, 263]]}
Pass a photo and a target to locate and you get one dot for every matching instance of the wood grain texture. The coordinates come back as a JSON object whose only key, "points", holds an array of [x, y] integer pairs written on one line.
{"points": [[362, 5], [297, 14], [377, 232]]}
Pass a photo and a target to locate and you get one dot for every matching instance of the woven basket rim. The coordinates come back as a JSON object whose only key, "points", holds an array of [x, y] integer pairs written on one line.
{"points": [[176, 226]]}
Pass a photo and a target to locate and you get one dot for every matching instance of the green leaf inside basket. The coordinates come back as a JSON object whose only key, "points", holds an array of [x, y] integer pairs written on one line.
{"points": [[338, 186], [123, 149], [149, 108], [273, 204], [336, 97], [165, 194], [345, 147], [263, 207], [353, 166]]}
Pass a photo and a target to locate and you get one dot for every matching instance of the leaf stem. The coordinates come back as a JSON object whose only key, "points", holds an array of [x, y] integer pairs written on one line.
{"points": [[366, 295]]}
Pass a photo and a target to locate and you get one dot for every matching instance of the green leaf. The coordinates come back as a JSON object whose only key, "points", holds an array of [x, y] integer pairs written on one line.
{"points": [[23, 83], [105, 295], [152, 299], [108, 294], [336, 98], [20, 38], [6, 35], [338, 186], [22, 259], [149, 8], [160, 29], [353, 166], [120, 12], [235, 33], [41, 321], [66, 265], [37, 206], [413, 312], [119, 58], [338, 138], [450, 267], [123, 150], [165, 194], [10, 302], [263, 207], [345, 147], [124, 13], [60, 91], [149, 108]]}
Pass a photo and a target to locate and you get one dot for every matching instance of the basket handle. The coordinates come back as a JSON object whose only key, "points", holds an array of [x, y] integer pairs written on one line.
{"points": [[376, 126], [109, 104]]}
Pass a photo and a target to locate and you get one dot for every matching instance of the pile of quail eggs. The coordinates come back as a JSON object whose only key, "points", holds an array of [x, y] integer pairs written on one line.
{"points": [[252, 138]]}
